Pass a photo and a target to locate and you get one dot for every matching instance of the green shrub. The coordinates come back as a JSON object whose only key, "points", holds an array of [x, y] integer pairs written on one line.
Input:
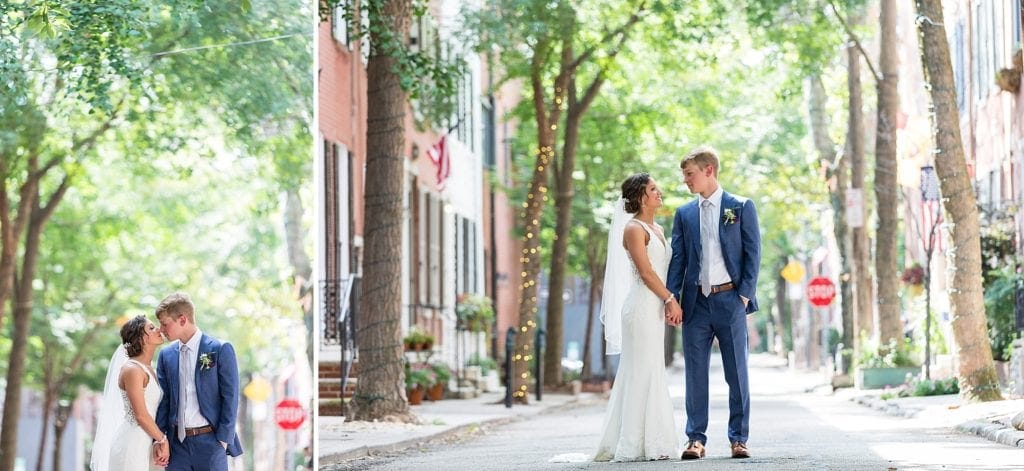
{"points": [[442, 372], [999, 305], [419, 375], [486, 364], [894, 354]]}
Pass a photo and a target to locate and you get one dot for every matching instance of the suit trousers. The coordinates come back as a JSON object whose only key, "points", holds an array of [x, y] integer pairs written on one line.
{"points": [[197, 453], [722, 316]]}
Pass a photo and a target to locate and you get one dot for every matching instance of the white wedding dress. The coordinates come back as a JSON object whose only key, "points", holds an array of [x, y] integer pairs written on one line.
{"points": [[131, 448], [639, 423]]}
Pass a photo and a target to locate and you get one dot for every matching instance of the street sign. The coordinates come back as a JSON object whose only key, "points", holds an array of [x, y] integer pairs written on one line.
{"points": [[793, 271], [821, 291], [289, 414]]}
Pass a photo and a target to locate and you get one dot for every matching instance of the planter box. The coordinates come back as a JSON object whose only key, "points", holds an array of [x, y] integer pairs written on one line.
{"points": [[876, 378]]}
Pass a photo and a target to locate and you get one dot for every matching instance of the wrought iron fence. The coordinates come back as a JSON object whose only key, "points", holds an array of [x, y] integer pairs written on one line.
{"points": [[335, 307]]}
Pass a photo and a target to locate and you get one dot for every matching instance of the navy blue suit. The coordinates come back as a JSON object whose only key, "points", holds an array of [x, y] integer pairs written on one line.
{"points": [[218, 392], [721, 315]]}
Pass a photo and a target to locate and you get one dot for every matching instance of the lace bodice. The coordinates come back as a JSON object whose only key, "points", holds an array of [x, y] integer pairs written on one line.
{"points": [[151, 393]]}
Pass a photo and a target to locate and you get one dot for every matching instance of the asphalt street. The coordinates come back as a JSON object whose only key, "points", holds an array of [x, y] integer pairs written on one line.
{"points": [[794, 426]]}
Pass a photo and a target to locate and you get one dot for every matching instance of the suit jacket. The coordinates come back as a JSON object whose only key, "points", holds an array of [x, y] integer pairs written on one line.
{"points": [[741, 250], [216, 387]]}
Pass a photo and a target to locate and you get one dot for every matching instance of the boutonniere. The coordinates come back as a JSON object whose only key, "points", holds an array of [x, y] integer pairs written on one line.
{"points": [[729, 216], [206, 361]]}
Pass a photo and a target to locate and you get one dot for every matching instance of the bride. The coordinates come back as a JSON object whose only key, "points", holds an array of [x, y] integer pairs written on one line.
{"points": [[127, 437], [638, 424]]}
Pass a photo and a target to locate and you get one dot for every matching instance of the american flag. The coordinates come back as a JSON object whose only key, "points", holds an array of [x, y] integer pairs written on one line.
{"points": [[438, 154]]}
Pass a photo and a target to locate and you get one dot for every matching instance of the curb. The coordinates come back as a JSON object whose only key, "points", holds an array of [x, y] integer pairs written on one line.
{"points": [[994, 431], [367, 451]]}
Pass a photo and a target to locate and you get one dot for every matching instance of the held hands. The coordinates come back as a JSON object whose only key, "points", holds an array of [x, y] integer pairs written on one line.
{"points": [[673, 313], [161, 453]]}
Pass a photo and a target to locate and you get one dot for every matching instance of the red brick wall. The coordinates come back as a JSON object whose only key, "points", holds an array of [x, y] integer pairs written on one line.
{"points": [[341, 105]]}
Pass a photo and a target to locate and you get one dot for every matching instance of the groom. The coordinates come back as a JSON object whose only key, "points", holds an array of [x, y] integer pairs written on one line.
{"points": [[716, 254], [199, 376]]}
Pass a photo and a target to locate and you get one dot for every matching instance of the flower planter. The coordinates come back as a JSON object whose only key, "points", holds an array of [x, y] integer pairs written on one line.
{"points": [[436, 392], [877, 378], [415, 396]]}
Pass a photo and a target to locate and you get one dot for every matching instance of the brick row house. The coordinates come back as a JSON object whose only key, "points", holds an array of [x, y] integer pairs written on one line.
{"points": [[456, 231]]}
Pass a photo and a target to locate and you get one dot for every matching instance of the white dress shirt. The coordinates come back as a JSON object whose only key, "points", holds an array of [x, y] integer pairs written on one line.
{"points": [[187, 361], [718, 273]]}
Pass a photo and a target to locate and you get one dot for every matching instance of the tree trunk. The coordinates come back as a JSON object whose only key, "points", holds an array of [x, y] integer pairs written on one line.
{"points": [[380, 392], [862, 322], [36, 218], [49, 393], [535, 201], [565, 191], [977, 375], [863, 285], [886, 185], [8, 244], [60, 424], [301, 266], [837, 175]]}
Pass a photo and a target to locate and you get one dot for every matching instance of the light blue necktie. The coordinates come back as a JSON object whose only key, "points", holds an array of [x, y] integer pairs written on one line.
{"points": [[707, 218], [183, 369]]}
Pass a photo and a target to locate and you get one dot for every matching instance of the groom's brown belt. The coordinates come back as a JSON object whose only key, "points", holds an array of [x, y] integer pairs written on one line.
{"points": [[722, 287], [191, 432]]}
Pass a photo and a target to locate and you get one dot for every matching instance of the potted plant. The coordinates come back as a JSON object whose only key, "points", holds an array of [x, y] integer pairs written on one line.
{"points": [[442, 374], [475, 312], [888, 365], [417, 339], [417, 380]]}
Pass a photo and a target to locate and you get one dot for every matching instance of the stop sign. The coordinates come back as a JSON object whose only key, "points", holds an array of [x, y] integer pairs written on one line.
{"points": [[821, 291], [289, 414]]}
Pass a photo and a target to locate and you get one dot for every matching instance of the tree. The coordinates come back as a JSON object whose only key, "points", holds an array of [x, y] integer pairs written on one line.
{"points": [[553, 46], [35, 171], [402, 77], [886, 184], [381, 391], [977, 375]]}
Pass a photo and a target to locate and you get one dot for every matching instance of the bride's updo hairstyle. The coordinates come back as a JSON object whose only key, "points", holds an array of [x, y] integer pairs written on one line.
{"points": [[133, 333], [633, 191]]}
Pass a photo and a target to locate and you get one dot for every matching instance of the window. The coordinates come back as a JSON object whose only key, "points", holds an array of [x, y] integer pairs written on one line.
{"points": [[339, 24], [435, 250], [331, 223], [976, 56], [1018, 16], [489, 137], [415, 244], [364, 44], [424, 244], [466, 263]]}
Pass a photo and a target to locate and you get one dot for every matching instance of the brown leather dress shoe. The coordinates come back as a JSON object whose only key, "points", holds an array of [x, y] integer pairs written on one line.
{"points": [[694, 450], [739, 450]]}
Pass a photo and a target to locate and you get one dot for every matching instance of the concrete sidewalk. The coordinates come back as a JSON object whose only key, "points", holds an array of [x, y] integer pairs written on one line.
{"points": [[342, 441], [990, 420]]}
